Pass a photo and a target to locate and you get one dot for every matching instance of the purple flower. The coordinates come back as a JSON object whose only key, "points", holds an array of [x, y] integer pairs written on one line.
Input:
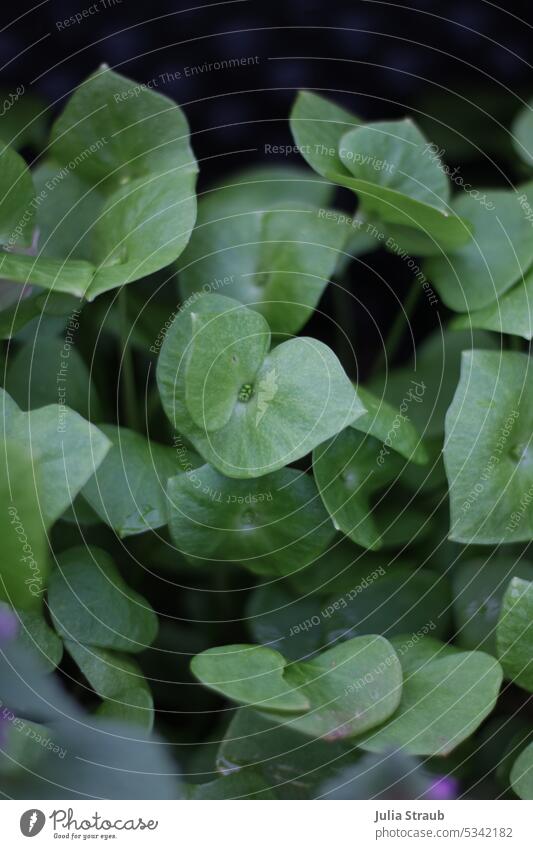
{"points": [[445, 787], [8, 625]]}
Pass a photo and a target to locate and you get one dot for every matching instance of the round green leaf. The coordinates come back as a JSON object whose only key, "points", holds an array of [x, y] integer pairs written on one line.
{"points": [[512, 313], [128, 490], [118, 681], [17, 212], [91, 604], [395, 155], [522, 774], [327, 139], [277, 261], [348, 470], [514, 633], [445, 697], [487, 453], [522, 134], [478, 589], [293, 765], [273, 525], [64, 447], [339, 694], [499, 254], [300, 395], [24, 564]]}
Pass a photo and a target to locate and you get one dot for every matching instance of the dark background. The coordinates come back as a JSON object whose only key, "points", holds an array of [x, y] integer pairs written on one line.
{"points": [[461, 67]]}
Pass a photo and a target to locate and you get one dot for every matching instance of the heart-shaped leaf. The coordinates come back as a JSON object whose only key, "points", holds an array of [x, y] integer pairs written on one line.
{"points": [[445, 697], [274, 525], [339, 694], [277, 261], [132, 193], [118, 681], [65, 449], [514, 633], [478, 588], [128, 491], [327, 137], [488, 452], [300, 395], [499, 254], [92, 605], [522, 774]]}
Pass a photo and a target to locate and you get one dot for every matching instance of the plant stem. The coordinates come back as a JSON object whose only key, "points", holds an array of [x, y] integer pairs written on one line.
{"points": [[127, 366], [395, 334], [344, 315]]}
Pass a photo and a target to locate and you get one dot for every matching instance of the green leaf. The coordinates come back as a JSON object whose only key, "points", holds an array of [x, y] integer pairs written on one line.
{"points": [[522, 134], [276, 260], [329, 696], [514, 633], [39, 639], [500, 253], [133, 190], [23, 119], [329, 139], [273, 525], [128, 490], [424, 391], [487, 453], [64, 447], [24, 564], [65, 218], [250, 675], [264, 186], [349, 469], [248, 784], [118, 681], [91, 604], [395, 155], [317, 126], [445, 698], [292, 765], [300, 395], [142, 134], [16, 196], [391, 426], [47, 368], [522, 774], [512, 313], [61, 275], [478, 588], [227, 350]]}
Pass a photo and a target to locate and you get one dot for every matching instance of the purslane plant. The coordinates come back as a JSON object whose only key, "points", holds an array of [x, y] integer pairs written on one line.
{"points": [[323, 575]]}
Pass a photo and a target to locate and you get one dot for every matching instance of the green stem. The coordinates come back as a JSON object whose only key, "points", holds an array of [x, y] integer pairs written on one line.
{"points": [[127, 369], [395, 334]]}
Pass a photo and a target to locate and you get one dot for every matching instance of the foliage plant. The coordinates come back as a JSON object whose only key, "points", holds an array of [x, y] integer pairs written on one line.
{"points": [[234, 563]]}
